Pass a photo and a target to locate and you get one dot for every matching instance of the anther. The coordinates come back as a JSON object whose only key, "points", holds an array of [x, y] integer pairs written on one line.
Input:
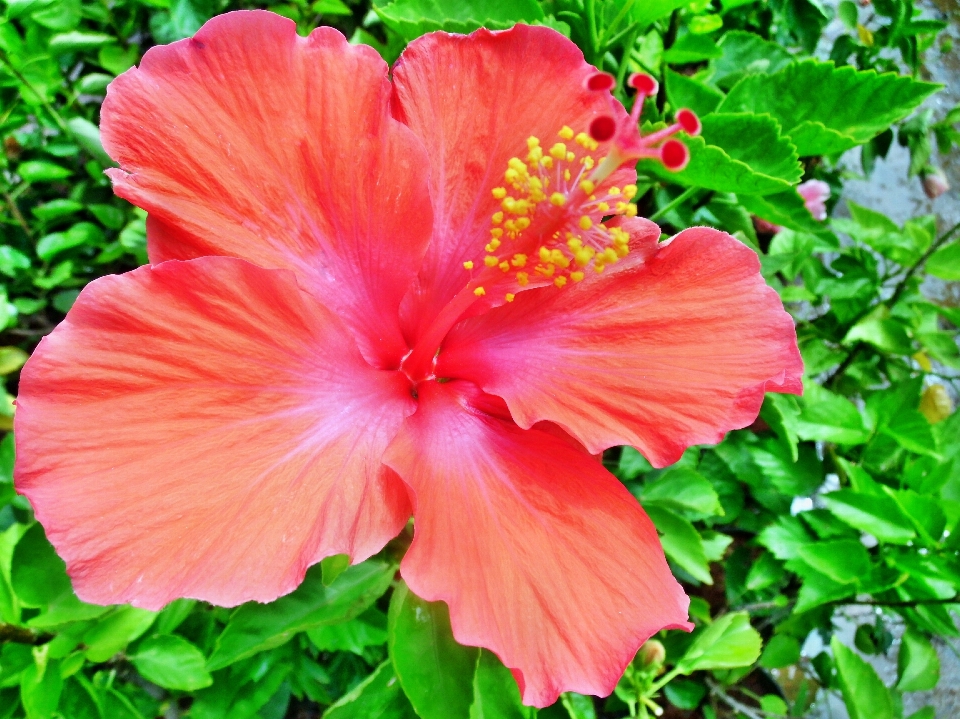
{"points": [[468, 265], [509, 297], [479, 292]]}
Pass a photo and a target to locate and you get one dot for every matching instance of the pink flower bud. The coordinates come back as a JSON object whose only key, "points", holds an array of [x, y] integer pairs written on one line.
{"points": [[815, 194], [935, 183]]}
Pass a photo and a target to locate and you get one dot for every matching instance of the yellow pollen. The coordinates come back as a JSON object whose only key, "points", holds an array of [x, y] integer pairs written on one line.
{"points": [[603, 207], [522, 223], [547, 162], [566, 174], [629, 191], [582, 139], [535, 155], [620, 207], [560, 281], [497, 218], [509, 297], [576, 276], [492, 246], [468, 265], [546, 271], [598, 268], [496, 232], [588, 162], [499, 192], [570, 158], [566, 133], [479, 292], [585, 223], [575, 243], [587, 187], [491, 260], [519, 260], [631, 211], [614, 191], [533, 142], [558, 199], [522, 279], [505, 266], [544, 254], [583, 256], [609, 256], [559, 151]]}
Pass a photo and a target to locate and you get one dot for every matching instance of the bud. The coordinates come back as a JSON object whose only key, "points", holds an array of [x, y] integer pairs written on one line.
{"points": [[815, 194], [935, 405], [934, 182], [651, 655]]}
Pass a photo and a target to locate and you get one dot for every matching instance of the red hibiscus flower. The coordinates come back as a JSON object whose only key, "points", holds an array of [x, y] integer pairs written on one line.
{"points": [[369, 299]]}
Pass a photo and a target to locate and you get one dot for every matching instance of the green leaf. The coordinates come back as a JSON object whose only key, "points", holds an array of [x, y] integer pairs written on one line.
{"points": [[256, 627], [87, 136], [781, 651], [82, 233], [764, 572], [632, 464], [683, 91], [830, 418], [825, 109], [115, 631], [56, 209], [37, 574], [78, 41], [945, 262], [738, 153], [692, 47], [172, 662], [918, 666], [332, 567], [412, 18], [878, 515], [40, 687], [437, 674], [495, 691], [379, 696], [745, 53], [887, 335], [913, 432], [331, 7], [818, 589], [12, 359], [578, 706], [41, 171], [685, 490], [844, 560], [369, 629], [786, 209], [681, 542], [685, 693], [646, 12], [864, 693], [728, 643]]}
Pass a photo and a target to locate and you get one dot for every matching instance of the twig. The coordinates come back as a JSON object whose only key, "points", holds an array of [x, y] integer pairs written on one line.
{"points": [[17, 215], [675, 203], [717, 691], [22, 635]]}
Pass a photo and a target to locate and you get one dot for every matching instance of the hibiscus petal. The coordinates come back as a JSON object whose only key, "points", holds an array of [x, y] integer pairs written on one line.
{"points": [[541, 554], [252, 142], [673, 352], [474, 100], [206, 429]]}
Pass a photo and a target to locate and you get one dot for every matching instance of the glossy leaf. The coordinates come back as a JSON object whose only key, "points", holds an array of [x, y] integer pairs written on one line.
{"points": [[412, 18], [728, 643], [436, 672], [255, 627], [877, 515], [495, 691], [172, 662], [918, 666], [681, 542], [864, 693], [379, 695]]}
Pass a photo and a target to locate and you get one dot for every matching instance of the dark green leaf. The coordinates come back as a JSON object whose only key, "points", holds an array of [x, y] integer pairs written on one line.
{"points": [[379, 696], [172, 663], [369, 629], [781, 651], [745, 53], [255, 627], [495, 691], [683, 91], [436, 672], [844, 561], [38, 575], [681, 542], [115, 631]]}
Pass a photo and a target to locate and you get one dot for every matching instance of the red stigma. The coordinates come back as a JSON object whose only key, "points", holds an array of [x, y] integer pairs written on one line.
{"points": [[600, 81], [689, 121], [674, 155], [643, 83], [603, 128]]}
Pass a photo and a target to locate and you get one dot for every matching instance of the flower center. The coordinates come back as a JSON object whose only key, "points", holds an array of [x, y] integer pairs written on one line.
{"points": [[550, 226]]}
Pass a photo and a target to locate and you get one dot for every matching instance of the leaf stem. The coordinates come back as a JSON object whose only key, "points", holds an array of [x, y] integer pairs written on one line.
{"points": [[675, 203]]}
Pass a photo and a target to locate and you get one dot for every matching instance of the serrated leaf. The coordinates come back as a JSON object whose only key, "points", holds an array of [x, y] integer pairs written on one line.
{"points": [[684, 490], [913, 432], [745, 53], [864, 693], [256, 627], [878, 515], [843, 560], [739, 153], [683, 91], [728, 643], [829, 417], [647, 11], [825, 109], [412, 18]]}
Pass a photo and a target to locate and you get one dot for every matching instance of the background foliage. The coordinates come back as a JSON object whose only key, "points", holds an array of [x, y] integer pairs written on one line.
{"points": [[848, 496]]}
